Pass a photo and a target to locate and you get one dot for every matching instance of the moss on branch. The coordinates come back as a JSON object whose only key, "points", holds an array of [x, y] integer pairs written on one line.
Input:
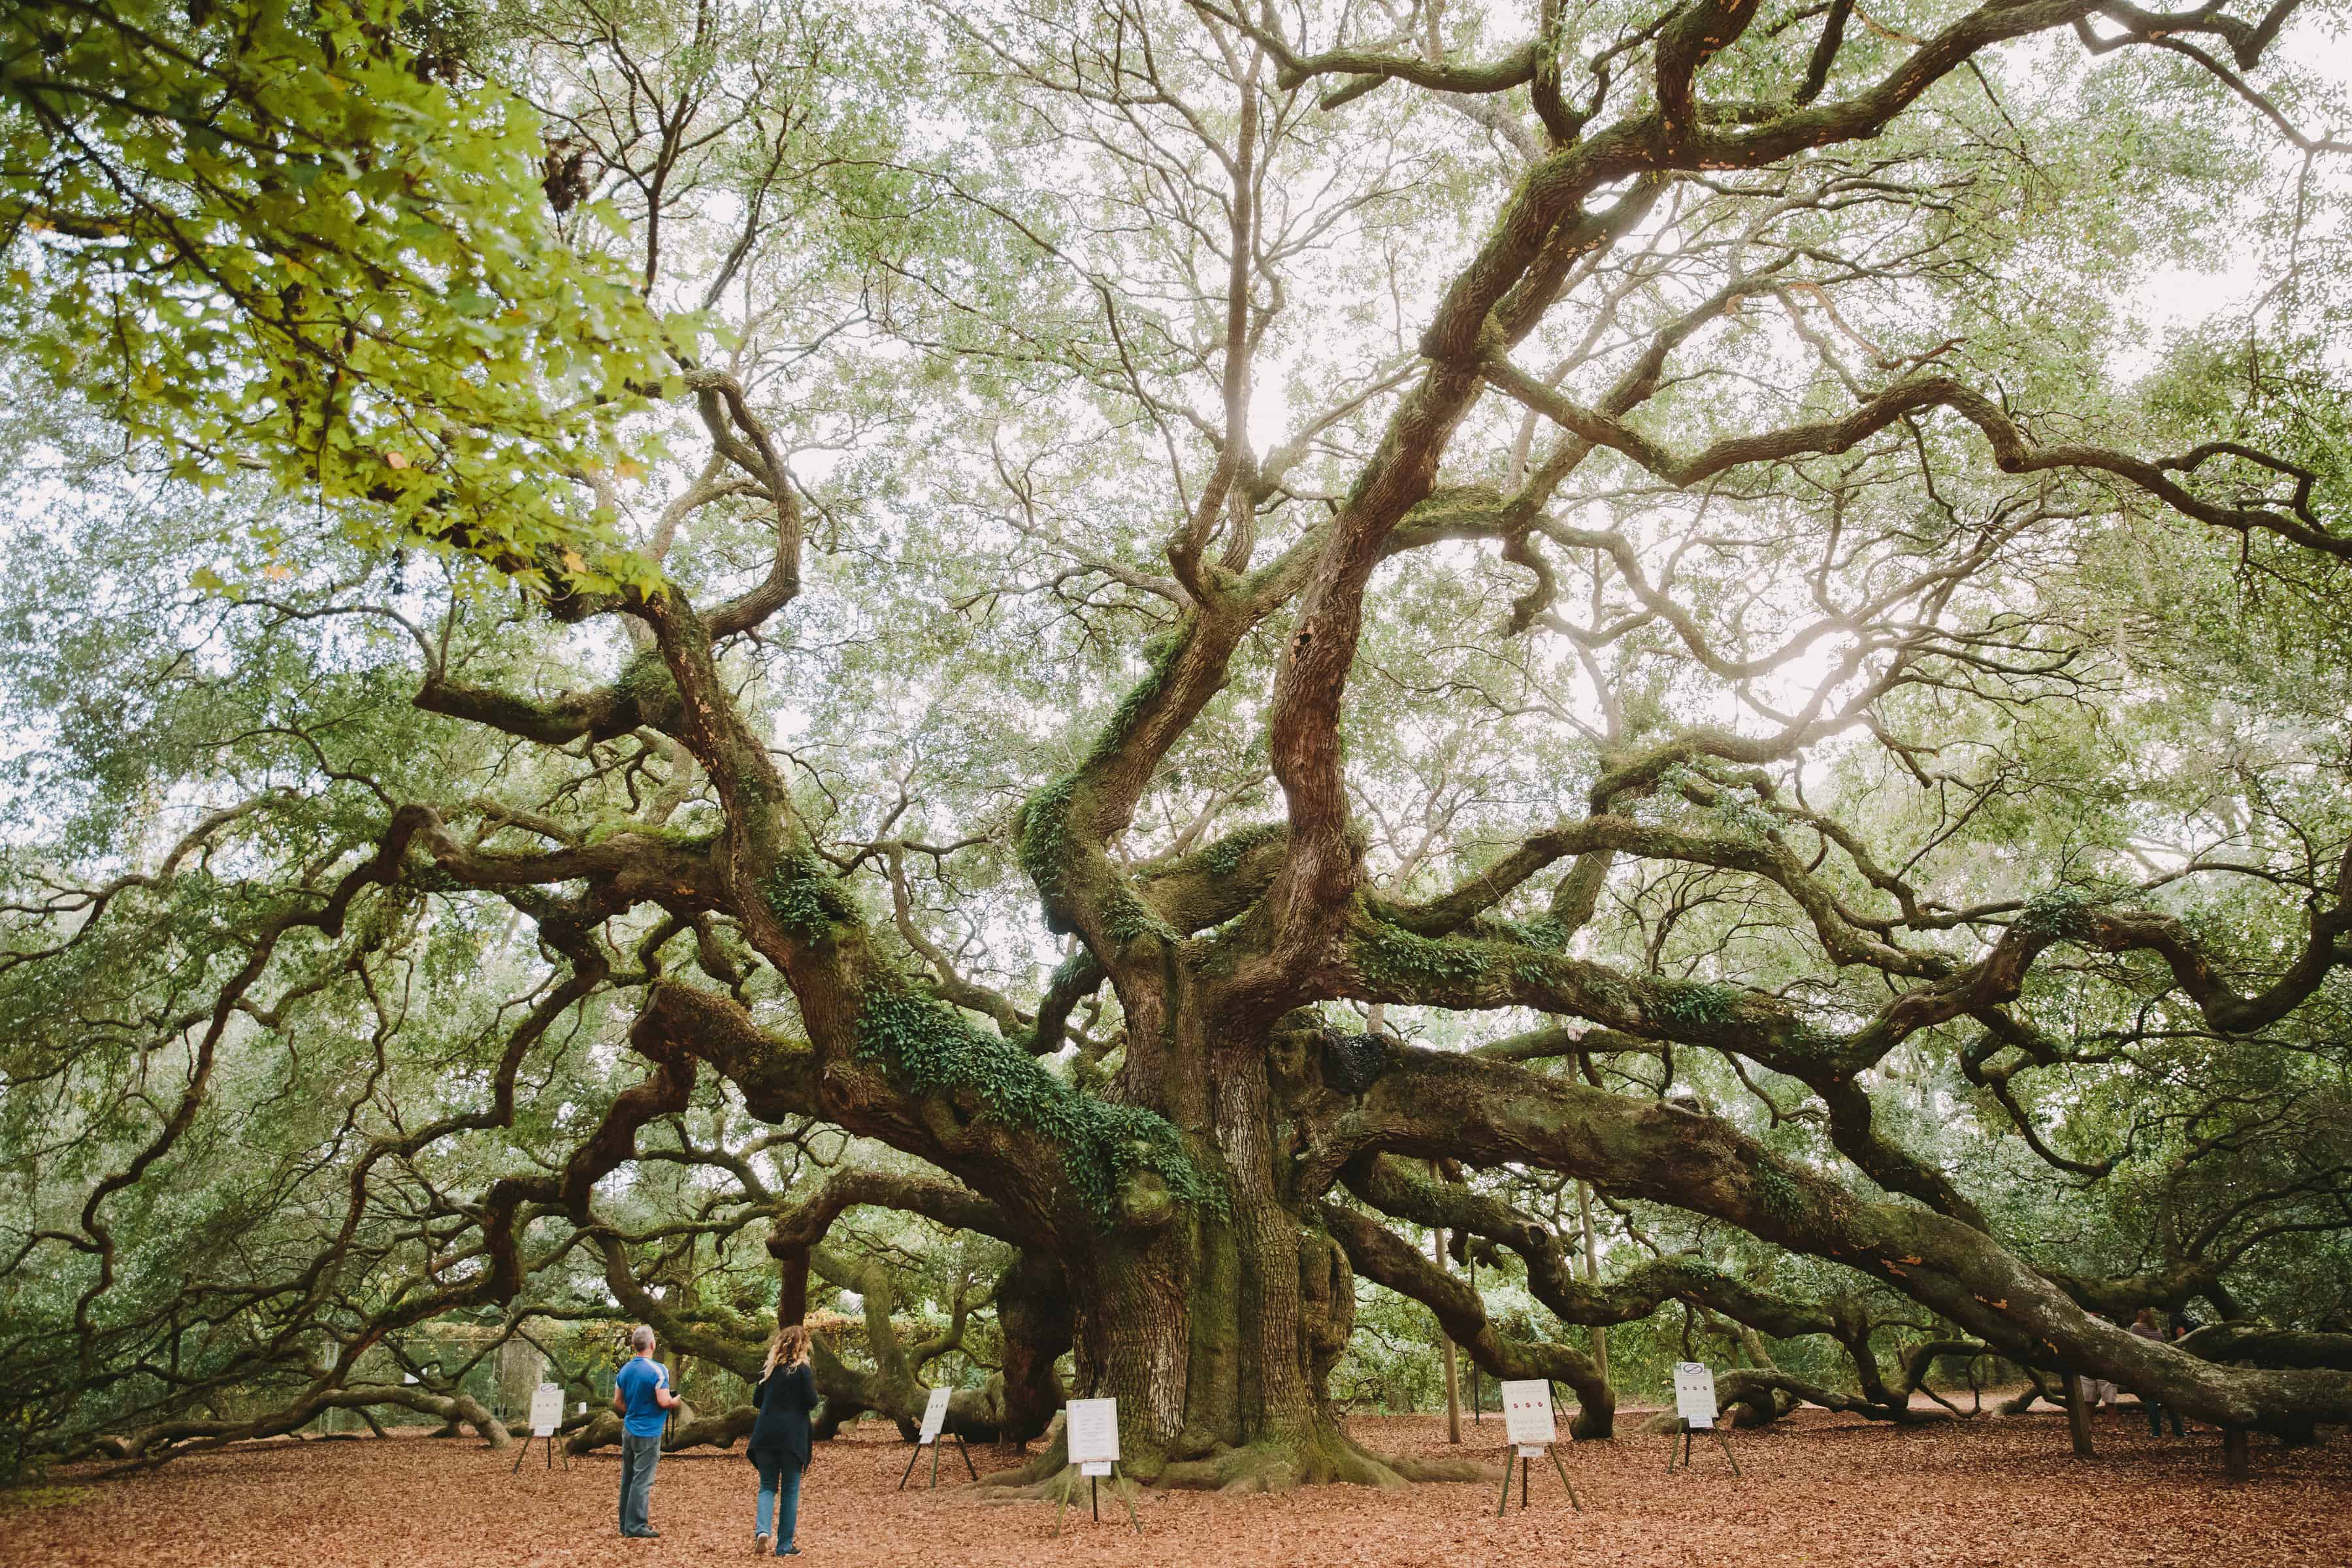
{"points": [[1160, 658], [1224, 856], [2059, 913], [1697, 1003], [1389, 955], [806, 899], [1044, 845], [1105, 1146]]}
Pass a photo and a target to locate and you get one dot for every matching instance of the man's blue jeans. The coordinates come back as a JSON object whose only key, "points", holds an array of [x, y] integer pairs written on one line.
{"points": [[638, 1457], [780, 1478]]}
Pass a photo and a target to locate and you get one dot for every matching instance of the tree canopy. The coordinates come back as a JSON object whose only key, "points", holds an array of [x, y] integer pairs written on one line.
{"points": [[1090, 670]]}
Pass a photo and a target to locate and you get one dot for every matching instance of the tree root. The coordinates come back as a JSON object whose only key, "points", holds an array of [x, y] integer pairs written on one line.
{"points": [[1333, 1459], [1025, 1482], [1411, 1467]]}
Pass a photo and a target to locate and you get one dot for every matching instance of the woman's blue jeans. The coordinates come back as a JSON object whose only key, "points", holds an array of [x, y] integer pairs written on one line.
{"points": [[779, 1476]]}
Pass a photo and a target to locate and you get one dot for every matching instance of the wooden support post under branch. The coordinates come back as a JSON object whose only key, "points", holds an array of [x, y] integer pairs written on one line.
{"points": [[2078, 1418]]}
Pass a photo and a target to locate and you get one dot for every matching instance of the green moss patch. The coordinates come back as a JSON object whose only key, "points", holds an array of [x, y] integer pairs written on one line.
{"points": [[931, 1050]]}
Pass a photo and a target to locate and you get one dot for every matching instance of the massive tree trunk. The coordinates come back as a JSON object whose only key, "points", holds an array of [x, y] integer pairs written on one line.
{"points": [[1216, 1326]]}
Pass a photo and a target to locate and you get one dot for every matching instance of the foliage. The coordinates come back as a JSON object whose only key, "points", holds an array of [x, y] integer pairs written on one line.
{"points": [[258, 235], [1101, 1143]]}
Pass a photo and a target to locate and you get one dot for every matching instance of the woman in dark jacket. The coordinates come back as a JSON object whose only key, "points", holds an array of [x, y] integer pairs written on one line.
{"points": [[779, 1437]]}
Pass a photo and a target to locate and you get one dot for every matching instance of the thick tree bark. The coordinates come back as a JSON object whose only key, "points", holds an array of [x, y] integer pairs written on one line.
{"points": [[1215, 1326], [1033, 1313]]}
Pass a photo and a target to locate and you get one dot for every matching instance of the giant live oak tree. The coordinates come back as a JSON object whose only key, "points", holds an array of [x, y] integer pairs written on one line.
{"points": [[1246, 631]]}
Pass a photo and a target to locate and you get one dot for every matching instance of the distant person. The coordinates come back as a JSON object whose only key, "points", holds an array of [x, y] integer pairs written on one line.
{"points": [[779, 1437], [2145, 1326], [641, 1394], [2183, 1325], [2098, 1391]]}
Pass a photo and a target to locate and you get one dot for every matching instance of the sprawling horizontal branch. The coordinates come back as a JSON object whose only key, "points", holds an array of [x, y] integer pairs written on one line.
{"points": [[1429, 1104], [601, 714], [1017, 1164], [1392, 1187], [1844, 939], [1381, 1256], [2269, 1347], [1387, 963], [2013, 451], [172, 1439], [799, 1230]]}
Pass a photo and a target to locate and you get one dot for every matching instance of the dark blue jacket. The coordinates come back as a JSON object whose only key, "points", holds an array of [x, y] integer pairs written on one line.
{"points": [[785, 1396]]}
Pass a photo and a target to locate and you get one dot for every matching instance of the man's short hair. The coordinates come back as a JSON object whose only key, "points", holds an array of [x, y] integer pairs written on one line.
{"points": [[641, 1337]]}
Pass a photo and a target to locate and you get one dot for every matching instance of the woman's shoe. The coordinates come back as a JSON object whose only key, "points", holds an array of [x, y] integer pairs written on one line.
{"points": [[761, 1544], [789, 1549]]}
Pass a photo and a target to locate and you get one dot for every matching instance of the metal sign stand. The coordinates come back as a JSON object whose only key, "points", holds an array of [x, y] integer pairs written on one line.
{"points": [[1090, 1447], [1715, 1432], [1094, 1492], [1550, 1452], [534, 1437], [933, 1433], [935, 1444]]}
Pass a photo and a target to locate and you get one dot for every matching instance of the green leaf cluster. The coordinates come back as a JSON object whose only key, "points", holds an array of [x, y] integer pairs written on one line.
{"points": [[268, 235]]}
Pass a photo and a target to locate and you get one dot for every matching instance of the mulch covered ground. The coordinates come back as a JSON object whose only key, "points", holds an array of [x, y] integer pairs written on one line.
{"points": [[1819, 1489]]}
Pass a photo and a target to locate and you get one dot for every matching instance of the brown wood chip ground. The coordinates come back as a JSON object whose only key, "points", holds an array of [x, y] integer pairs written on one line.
{"points": [[1818, 1489]]}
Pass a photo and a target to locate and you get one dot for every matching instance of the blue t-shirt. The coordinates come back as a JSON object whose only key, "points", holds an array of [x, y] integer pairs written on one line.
{"points": [[636, 1382]]}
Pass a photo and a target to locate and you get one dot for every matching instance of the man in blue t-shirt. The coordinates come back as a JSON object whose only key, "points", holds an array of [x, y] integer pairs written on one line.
{"points": [[641, 1394]]}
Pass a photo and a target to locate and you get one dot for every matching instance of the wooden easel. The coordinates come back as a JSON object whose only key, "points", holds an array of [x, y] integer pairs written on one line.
{"points": [[1094, 1491], [1715, 1432], [527, 1442], [1551, 1452], [935, 1444]]}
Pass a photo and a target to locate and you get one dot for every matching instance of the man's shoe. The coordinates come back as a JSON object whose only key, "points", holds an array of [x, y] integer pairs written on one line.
{"points": [[761, 1544], [788, 1551]]}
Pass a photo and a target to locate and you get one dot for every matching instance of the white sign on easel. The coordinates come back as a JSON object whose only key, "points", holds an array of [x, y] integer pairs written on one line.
{"points": [[1695, 1394], [1528, 1425], [935, 1416], [1092, 1429], [1090, 1433], [546, 1421], [1526, 1417]]}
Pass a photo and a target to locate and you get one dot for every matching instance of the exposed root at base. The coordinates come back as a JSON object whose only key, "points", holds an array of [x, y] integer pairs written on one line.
{"points": [[1331, 1460], [1024, 1482], [1413, 1469]]}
